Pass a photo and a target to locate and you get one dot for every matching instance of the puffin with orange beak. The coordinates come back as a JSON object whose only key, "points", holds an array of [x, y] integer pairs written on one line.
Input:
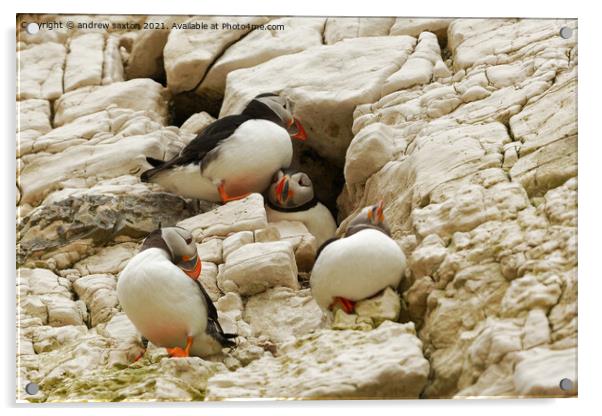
{"points": [[235, 155], [291, 197], [358, 266], [160, 292]]}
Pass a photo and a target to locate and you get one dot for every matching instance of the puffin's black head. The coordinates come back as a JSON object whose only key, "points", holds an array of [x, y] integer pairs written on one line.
{"points": [[180, 246], [370, 217], [290, 189], [278, 109]]}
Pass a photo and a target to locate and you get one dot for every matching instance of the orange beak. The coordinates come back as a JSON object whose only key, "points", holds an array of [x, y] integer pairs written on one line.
{"points": [[379, 211], [283, 191], [300, 135], [195, 272]]}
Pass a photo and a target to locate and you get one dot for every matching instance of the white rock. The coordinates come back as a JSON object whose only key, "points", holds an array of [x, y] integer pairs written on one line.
{"points": [[209, 280], [64, 311], [418, 69], [136, 94], [98, 291], [236, 241], [547, 128], [230, 302], [282, 314], [415, 26], [371, 148], [247, 214], [475, 93], [84, 61], [537, 329], [339, 28], [303, 242], [112, 67], [384, 306], [506, 75], [34, 114], [539, 371], [188, 53], [197, 123], [313, 367], [108, 260], [33, 121], [331, 79], [210, 250], [427, 257], [270, 233], [47, 338], [530, 292], [41, 71], [261, 46], [146, 57], [256, 267], [84, 165], [475, 41]]}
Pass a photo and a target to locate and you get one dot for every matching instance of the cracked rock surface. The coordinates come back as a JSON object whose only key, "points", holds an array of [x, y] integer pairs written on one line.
{"points": [[466, 128]]}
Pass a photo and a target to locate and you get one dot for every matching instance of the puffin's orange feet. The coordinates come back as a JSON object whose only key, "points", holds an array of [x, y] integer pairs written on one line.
{"points": [[180, 352], [139, 356], [227, 198], [347, 305]]}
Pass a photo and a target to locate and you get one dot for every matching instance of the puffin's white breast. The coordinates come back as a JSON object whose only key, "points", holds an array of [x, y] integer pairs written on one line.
{"points": [[357, 267], [162, 302], [247, 160], [318, 220]]}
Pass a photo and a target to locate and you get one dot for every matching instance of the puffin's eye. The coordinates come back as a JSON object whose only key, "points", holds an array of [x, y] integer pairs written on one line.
{"points": [[188, 240], [304, 181]]}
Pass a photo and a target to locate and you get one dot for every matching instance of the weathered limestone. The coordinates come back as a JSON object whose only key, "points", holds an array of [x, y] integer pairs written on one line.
{"points": [[260, 46], [98, 291], [243, 215], [41, 71], [188, 53], [313, 367], [84, 61], [136, 94], [324, 80], [282, 314], [256, 267], [339, 28]]}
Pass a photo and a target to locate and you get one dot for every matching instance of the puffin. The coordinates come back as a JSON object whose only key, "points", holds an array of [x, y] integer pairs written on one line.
{"points": [[291, 197], [365, 261], [160, 292], [235, 155]]}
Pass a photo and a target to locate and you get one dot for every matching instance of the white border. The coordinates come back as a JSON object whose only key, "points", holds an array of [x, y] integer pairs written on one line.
{"points": [[589, 202]]}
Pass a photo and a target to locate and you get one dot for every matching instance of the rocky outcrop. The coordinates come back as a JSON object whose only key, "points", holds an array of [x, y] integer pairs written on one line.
{"points": [[467, 167], [466, 128], [314, 366]]}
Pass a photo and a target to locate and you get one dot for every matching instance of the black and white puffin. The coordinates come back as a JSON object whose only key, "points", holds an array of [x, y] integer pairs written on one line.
{"points": [[160, 292], [235, 155], [291, 197], [359, 265]]}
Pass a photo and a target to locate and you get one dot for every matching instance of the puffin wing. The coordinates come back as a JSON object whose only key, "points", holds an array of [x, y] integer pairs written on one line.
{"points": [[204, 143], [213, 326], [211, 136]]}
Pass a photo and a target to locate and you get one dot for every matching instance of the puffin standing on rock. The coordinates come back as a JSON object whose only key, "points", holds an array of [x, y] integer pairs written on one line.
{"points": [[359, 265], [235, 155], [291, 197], [160, 292]]}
